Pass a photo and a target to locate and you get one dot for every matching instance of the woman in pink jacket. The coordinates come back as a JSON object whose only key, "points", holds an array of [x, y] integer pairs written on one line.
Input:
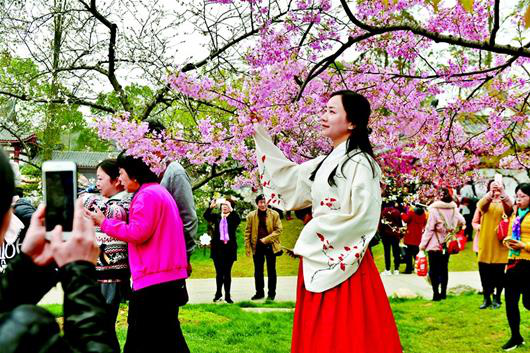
{"points": [[157, 258], [444, 218]]}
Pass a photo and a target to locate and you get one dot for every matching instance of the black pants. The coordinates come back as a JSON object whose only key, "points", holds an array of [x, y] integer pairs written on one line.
{"points": [[438, 271], [492, 278], [391, 243], [153, 319], [114, 294], [223, 275], [410, 254], [265, 253], [517, 284]]}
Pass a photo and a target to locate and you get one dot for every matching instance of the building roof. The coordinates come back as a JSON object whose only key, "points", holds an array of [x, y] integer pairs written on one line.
{"points": [[83, 159], [7, 137]]}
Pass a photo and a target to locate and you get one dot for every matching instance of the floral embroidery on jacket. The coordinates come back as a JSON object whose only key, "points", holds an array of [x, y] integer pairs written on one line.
{"points": [[347, 256], [331, 203], [275, 198]]}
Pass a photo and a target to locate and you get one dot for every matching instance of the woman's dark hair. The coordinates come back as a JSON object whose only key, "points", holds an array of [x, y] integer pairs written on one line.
{"points": [[136, 169], [524, 187], [446, 195], [110, 167], [358, 112], [7, 180]]}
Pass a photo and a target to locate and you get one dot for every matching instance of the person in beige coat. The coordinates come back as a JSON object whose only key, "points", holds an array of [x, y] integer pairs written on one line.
{"points": [[262, 240]]}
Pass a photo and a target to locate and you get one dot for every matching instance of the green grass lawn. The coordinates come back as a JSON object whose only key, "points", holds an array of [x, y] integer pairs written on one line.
{"points": [[287, 266], [454, 325], [244, 267]]}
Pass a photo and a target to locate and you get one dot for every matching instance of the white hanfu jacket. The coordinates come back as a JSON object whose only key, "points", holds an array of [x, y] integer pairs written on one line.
{"points": [[345, 216]]}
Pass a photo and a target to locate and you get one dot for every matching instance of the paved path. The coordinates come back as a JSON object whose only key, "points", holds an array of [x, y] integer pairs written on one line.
{"points": [[202, 290]]}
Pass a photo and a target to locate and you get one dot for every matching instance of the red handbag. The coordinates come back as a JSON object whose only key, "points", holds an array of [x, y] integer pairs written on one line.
{"points": [[502, 228], [452, 247], [462, 240], [421, 264]]}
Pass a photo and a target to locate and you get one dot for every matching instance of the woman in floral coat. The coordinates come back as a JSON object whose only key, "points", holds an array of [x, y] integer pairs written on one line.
{"points": [[341, 305]]}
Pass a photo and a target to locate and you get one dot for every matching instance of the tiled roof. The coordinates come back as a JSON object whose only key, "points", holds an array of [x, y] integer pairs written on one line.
{"points": [[83, 159], [6, 136]]}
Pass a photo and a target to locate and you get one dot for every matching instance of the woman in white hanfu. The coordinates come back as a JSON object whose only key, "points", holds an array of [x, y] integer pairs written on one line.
{"points": [[341, 305]]}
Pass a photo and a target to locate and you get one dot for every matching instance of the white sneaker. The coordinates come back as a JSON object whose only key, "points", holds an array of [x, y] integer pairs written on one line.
{"points": [[396, 272], [386, 273]]}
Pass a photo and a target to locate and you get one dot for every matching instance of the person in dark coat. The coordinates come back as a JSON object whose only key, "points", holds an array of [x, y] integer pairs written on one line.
{"points": [[23, 209], [390, 234], [26, 327], [224, 244]]}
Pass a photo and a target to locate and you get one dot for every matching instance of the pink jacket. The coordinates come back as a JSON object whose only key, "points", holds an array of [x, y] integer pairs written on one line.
{"points": [[435, 231], [155, 237], [476, 226]]}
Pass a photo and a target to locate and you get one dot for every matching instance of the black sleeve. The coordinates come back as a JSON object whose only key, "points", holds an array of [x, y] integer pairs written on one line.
{"points": [[209, 216], [86, 328], [235, 219], [23, 282]]}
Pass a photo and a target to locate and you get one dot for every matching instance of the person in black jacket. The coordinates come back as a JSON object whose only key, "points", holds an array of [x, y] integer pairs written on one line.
{"points": [[223, 245], [23, 210], [25, 327]]}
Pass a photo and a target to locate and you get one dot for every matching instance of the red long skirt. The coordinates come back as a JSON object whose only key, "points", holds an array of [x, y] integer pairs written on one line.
{"points": [[354, 317]]}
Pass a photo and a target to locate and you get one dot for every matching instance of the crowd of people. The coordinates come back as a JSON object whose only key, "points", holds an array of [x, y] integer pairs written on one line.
{"points": [[502, 249], [133, 240]]}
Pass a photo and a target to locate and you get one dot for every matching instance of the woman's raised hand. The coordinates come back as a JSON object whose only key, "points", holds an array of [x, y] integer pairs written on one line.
{"points": [[255, 118]]}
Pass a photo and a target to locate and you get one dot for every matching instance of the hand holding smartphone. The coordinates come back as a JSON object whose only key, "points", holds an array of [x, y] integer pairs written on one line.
{"points": [[60, 192]]}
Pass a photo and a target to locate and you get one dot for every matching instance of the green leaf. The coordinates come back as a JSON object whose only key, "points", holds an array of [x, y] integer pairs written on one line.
{"points": [[467, 5], [434, 4]]}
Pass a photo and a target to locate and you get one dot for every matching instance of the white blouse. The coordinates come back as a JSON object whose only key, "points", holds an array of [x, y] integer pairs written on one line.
{"points": [[345, 216]]}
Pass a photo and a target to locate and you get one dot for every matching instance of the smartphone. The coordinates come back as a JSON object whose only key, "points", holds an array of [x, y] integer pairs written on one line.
{"points": [[220, 201], [59, 185], [498, 179]]}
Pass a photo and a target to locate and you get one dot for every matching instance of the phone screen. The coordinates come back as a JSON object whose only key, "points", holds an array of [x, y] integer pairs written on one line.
{"points": [[59, 199]]}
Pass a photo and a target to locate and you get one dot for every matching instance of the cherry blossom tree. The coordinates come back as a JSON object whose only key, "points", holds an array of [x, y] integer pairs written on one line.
{"points": [[448, 81]]}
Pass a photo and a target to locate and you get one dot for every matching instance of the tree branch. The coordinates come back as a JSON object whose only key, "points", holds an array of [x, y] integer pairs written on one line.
{"points": [[216, 53], [215, 174], [495, 23], [437, 37], [113, 28], [326, 62], [70, 100]]}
